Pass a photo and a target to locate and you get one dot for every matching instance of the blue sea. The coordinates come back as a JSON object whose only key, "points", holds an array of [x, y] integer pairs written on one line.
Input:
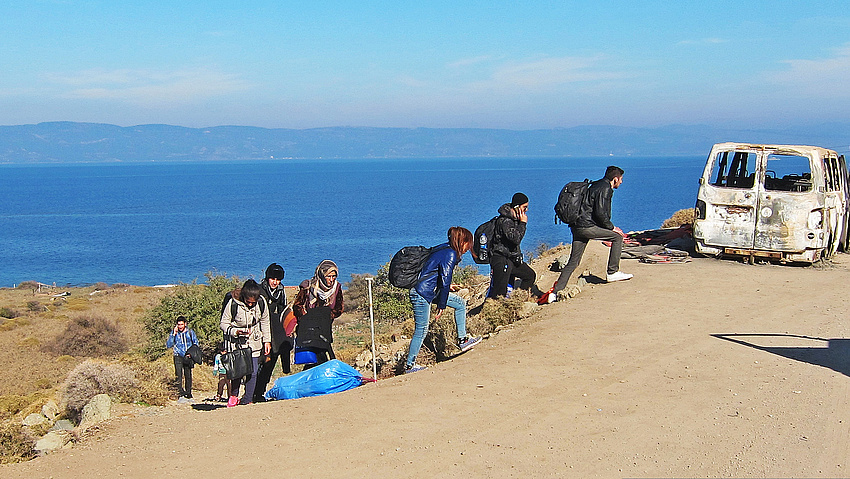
{"points": [[160, 222]]}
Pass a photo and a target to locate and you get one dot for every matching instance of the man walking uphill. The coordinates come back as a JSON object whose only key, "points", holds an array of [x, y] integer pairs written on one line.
{"points": [[181, 339], [594, 222]]}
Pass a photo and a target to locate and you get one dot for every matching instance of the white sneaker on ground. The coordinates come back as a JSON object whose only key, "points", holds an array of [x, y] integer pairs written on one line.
{"points": [[619, 276], [414, 368]]}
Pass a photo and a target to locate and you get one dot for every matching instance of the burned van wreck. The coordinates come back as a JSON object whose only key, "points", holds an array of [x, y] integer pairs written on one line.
{"points": [[782, 202]]}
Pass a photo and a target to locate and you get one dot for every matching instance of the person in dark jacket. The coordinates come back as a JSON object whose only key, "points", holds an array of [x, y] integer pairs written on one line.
{"points": [[318, 303], [506, 262], [272, 289], [595, 223], [435, 286]]}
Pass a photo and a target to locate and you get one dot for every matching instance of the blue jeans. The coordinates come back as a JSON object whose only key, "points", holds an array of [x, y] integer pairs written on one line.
{"points": [[422, 315]]}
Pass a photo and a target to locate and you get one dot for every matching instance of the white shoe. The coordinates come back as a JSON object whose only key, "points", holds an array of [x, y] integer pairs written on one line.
{"points": [[619, 276]]}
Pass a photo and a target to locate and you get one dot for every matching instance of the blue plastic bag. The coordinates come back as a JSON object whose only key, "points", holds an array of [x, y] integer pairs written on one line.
{"points": [[331, 377]]}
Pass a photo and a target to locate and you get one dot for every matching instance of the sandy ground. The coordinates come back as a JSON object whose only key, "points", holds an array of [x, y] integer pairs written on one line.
{"points": [[706, 369]]}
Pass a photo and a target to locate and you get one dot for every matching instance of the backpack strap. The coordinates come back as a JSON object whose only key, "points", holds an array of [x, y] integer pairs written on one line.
{"points": [[431, 251]]}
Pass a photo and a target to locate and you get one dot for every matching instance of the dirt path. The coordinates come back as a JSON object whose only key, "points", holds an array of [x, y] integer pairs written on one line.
{"points": [[626, 380]]}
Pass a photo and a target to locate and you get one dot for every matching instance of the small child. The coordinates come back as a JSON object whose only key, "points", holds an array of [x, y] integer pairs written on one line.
{"points": [[218, 370]]}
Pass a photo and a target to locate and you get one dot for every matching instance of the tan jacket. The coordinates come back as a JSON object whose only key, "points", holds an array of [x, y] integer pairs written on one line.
{"points": [[252, 321]]}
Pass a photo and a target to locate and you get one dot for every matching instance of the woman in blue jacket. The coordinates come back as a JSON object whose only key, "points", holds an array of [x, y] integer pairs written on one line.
{"points": [[435, 286]]}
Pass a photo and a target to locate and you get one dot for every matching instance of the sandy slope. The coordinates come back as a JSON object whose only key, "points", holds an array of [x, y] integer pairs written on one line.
{"points": [[626, 380]]}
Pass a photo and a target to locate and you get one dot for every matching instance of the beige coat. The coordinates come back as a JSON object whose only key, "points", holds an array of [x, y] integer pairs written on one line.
{"points": [[247, 320]]}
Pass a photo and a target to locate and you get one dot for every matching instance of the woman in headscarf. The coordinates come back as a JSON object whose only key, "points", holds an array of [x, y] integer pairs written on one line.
{"points": [[318, 303]]}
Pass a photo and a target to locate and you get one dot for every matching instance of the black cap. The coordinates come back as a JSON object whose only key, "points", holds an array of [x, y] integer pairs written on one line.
{"points": [[519, 199], [274, 271]]}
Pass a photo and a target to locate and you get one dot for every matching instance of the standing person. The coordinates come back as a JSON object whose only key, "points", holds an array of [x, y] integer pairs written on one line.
{"points": [[223, 390], [594, 222], [181, 339], [318, 303], [435, 286], [246, 325], [272, 290], [506, 262]]}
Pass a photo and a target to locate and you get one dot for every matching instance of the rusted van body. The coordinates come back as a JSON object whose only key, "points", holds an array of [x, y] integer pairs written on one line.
{"points": [[782, 202]]}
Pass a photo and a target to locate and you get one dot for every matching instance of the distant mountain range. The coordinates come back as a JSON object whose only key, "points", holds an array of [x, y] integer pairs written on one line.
{"points": [[69, 142]]}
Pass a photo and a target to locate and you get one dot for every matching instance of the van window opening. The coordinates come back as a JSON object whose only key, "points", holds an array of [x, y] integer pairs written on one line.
{"points": [[734, 172], [791, 173]]}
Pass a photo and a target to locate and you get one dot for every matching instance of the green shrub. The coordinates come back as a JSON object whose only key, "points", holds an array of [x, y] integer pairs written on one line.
{"points": [[501, 311], [28, 285], [199, 303], [89, 336], [91, 378], [35, 307], [464, 275], [8, 313]]}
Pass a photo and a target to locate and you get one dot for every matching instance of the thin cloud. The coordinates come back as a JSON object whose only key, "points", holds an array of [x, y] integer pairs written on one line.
{"points": [[820, 77], [554, 71], [465, 62], [703, 41], [410, 81], [146, 86]]}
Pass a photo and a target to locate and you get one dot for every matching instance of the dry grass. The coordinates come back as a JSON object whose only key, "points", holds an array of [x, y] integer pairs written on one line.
{"points": [[89, 336], [679, 218], [98, 377], [40, 319], [20, 337]]}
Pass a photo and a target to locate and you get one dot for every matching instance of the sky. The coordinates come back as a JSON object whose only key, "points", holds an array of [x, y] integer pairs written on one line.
{"points": [[441, 64]]}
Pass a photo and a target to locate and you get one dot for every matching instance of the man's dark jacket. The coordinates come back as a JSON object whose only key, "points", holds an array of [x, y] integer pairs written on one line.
{"points": [[596, 208], [276, 307], [509, 233]]}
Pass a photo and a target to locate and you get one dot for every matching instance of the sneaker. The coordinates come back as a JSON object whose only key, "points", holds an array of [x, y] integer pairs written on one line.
{"points": [[619, 276], [468, 343], [232, 401], [414, 369]]}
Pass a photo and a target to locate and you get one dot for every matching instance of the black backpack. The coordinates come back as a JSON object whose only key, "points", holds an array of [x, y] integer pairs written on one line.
{"points": [[568, 207], [235, 307], [482, 241], [407, 264]]}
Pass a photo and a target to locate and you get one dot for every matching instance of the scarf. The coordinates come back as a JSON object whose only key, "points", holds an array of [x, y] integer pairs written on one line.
{"points": [[274, 294], [319, 288]]}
